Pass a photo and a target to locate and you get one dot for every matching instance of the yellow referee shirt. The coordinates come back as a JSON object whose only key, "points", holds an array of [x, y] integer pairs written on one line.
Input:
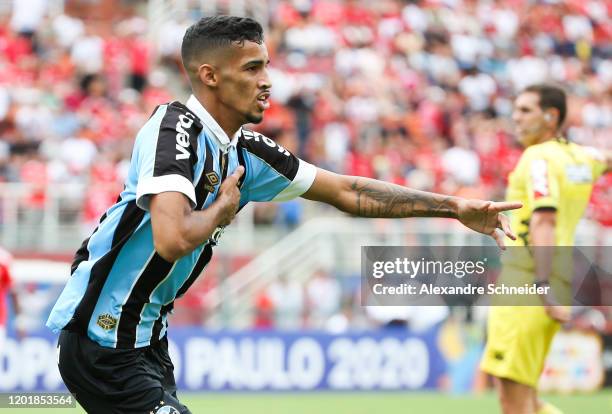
{"points": [[557, 174]]}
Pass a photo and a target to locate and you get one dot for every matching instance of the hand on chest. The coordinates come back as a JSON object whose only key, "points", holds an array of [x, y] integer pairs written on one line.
{"points": [[214, 168]]}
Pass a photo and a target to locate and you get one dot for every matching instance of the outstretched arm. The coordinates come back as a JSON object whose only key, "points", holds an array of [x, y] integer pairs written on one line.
{"points": [[367, 197]]}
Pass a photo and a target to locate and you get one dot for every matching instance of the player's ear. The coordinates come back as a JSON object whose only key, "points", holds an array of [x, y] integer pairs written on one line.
{"points": [[551, 116], [208, 75]]}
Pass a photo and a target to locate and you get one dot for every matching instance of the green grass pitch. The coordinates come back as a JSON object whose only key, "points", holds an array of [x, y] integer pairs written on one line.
{"points": [[362, 403]]}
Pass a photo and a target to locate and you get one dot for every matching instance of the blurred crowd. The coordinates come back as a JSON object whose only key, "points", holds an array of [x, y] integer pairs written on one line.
{"points": [[414, 92], [334, 304]]}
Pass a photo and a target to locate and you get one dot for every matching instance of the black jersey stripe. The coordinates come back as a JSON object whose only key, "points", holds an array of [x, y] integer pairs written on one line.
{"points": [[129, 221], [201, 263], [200, 189], [277, 157], [159, 323], [82, 254], [243, 163], [177, 142], [152, 275], [224, 161], [203, 260]]}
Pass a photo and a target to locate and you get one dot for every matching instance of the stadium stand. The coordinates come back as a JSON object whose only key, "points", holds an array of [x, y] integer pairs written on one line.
{"points": [[73, 95]]}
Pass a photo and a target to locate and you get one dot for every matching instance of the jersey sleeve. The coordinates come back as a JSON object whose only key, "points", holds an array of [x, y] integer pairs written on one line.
{"points": [[597, 161], [542, 182], [272, 172], [165, 153]]}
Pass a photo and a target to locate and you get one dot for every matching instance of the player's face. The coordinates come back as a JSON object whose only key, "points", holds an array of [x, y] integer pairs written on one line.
{"points": [[244, 84], [528, 118]]}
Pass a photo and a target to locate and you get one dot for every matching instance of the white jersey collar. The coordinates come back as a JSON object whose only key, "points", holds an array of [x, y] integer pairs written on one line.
{"points": [[211, 124]]}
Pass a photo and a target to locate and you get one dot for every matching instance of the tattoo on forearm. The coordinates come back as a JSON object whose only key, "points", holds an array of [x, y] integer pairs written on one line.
{"points": [[380, 199]]}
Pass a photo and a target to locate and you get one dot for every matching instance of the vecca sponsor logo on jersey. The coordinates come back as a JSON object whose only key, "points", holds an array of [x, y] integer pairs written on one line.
{"points": [[182, 136]]}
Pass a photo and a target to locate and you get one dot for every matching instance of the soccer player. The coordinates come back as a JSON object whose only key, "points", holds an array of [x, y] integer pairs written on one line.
{"points": [[193, 167], [553, 179]]}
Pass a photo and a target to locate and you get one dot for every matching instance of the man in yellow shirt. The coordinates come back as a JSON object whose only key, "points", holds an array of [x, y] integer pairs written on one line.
{"points": [[553, 179]]}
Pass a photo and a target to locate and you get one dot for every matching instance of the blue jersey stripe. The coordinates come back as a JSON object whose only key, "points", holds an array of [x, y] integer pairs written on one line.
{"points": [[266, 181], [130, 218]]}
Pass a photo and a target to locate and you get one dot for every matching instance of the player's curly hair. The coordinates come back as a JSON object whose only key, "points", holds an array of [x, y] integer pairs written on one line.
{"points": [[214, 32]]}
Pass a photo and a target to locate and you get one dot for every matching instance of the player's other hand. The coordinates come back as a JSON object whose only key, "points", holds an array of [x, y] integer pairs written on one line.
{"points": [[561, 314], [486, 217], [229, 197]]}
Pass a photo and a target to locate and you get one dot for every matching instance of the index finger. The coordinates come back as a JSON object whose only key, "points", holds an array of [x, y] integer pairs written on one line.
{"points": [[505, 205], [238, 172], [235, 176]]}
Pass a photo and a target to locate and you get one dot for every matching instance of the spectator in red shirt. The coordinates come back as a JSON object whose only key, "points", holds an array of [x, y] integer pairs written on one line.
{"points": [[6, 289]]}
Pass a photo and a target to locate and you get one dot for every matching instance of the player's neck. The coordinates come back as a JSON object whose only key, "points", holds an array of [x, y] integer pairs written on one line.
{"points": [[548, 136], [224, 117]]}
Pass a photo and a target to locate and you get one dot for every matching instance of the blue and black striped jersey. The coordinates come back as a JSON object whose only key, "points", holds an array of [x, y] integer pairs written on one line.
{"points": [[121, 290]]}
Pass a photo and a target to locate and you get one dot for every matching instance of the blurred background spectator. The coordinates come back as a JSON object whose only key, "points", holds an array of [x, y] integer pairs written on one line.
{"points": [[8, 296]]}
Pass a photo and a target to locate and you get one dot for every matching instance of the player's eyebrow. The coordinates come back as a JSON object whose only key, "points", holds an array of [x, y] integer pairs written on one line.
{"points": [[256, 62]]}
